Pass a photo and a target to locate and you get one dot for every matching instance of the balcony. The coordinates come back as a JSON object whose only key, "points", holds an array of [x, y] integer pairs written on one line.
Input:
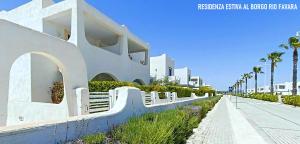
{"points": [[58, 25], [100, 35], [137, 52]]}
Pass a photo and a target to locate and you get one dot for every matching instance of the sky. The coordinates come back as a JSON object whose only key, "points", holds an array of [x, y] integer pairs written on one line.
{"points": [[219, 46]]}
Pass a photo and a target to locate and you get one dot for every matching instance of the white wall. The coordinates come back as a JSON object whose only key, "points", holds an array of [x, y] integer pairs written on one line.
{"points": [[97, 60], [129, 103], [16, 104], [183, 75], [159, 66], [44, 73]]}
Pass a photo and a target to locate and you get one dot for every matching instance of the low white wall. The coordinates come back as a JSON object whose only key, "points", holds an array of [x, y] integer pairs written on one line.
{"points": [[129, 104]]}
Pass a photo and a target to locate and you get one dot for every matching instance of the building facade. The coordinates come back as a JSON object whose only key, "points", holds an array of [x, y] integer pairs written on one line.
{"points": [[110, 51], [196, 81], [184, 75], [284, 88], [162, 67]]}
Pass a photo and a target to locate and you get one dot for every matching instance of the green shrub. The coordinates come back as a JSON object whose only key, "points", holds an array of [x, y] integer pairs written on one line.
{"points": [[264, 97], [205, 89], [105, 86], [181, 91], [162, 95], [206, 105], [291, 100], [171, 126], [94, 139]]}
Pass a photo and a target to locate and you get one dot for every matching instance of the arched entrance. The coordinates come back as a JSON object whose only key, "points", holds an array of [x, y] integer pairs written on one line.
{"points": [[104, 77], [139, 81], [16, 41]]}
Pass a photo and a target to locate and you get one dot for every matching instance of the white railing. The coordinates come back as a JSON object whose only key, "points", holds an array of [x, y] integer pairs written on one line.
{"points": [[104, 101], [148, 99], [100, 102]]}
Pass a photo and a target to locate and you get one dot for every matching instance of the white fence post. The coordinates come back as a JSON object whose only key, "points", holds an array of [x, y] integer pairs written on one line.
{"points": [[153, 97], [194, 95], [174, 95], [169, 96], [112, 98], [82, 95]]}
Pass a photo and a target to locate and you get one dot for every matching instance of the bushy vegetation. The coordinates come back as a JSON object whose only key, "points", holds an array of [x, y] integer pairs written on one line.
{"points": [[264, 96], [291, 100], [57, 92], [205, 89], [104, 86], [172, 126]]}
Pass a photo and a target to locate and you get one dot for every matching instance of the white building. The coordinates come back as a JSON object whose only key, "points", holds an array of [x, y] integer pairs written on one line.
{"points": [[196, 81], [184, 75], [161, 67], [284, 88], [110, 51]]}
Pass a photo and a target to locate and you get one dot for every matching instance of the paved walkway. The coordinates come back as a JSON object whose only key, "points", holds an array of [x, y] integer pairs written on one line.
{"points": [[254, 122], [276, 123], [215, 128]]}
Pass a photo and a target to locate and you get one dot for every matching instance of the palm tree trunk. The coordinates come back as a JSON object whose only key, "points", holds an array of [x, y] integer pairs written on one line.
{"points": [[255, 77], [272, 77], [241, 85], [246, 87], [295, 62]]}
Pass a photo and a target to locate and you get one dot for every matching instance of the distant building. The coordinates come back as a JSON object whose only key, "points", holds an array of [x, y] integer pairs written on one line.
{"points": [[184, 75], [196, 81], [284, 88], [161, 67]]}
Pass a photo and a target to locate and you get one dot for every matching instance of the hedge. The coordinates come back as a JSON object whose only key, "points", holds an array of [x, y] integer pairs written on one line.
{"points": [[291, 100], [265, 97], [104, 86], [171, 126]]}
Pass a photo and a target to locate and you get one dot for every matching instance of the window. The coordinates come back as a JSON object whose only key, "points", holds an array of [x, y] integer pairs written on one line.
{"points": [[170, 71], [281, 86]]}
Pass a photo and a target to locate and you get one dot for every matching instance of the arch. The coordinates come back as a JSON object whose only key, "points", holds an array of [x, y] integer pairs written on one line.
{"points": [[105, 77], [139, 81], [34, 77], [16, 41]]}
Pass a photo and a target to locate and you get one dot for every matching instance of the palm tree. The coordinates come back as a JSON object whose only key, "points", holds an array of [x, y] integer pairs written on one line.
{"points": [[237, 85], [293, 43], [256, 70], [274, 57], [241, 81], [247, 76]]}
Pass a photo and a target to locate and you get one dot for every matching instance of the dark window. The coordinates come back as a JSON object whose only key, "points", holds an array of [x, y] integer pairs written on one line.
{"points": [[281, 86], [170, 71]]}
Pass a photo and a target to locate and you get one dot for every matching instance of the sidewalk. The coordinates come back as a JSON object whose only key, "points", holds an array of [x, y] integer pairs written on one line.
{"points": [[276, 123], [225, 125]]}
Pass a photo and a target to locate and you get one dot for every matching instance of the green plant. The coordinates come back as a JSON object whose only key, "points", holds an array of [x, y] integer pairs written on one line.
{"points": [[264, 96], [293, 43], [94, 139], [274, 57], [291, 100], [171, 126], [205, 89], [257, 70], [104, 86], [57, 92]]}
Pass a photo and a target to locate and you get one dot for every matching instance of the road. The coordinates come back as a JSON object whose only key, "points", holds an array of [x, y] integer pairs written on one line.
{"points": [[253, 121], [276, 123]]}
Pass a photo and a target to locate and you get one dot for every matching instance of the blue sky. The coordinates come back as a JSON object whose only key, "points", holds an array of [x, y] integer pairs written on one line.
{"points": [[217, 45]]}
